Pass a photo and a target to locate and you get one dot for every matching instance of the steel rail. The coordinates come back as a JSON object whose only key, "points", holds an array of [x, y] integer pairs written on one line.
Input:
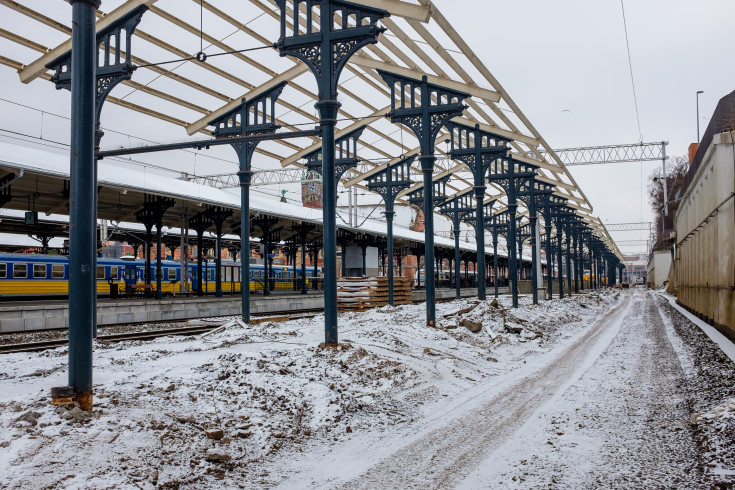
{"points": [[150, 335]]}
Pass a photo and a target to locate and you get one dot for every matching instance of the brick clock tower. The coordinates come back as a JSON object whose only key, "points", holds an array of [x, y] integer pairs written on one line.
{"points": [[311, 190]]}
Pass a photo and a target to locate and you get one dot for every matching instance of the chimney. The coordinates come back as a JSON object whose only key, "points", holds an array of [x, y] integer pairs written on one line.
{"points": [[692, 152]]}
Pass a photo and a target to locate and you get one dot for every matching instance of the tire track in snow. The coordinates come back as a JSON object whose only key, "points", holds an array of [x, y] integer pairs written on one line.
{"points": [[442, 457]]}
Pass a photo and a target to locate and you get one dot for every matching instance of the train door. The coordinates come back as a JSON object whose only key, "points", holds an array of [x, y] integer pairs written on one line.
{"points": [[131, 275]]}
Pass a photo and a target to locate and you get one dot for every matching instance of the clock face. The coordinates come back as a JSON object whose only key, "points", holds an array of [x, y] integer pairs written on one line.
{"points": [[312, 187]]}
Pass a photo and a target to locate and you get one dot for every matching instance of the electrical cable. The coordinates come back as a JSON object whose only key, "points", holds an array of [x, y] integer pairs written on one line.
{"points": [[200, 56]]}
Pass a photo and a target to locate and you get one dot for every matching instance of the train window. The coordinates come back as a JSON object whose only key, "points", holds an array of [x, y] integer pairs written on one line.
{"points": [[57, 272], [235, 274], [39, 271], [171, 274], [3, 270], [100, 272], [113, 272], [20, 271]]}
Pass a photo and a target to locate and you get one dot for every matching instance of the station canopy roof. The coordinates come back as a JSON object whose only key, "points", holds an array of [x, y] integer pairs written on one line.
{"points": [[187, 94]]}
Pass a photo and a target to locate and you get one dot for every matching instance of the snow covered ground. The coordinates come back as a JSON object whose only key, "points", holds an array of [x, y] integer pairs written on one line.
{"points": [[605, 389]]}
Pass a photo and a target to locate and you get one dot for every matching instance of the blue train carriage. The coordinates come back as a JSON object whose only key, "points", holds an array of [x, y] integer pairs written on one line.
{"points": [[230, 276], [131, 276], [33, 275], [29, 275]]}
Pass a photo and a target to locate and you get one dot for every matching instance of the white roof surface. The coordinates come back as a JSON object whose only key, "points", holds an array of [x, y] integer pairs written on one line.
{"points": [[57, 165]]}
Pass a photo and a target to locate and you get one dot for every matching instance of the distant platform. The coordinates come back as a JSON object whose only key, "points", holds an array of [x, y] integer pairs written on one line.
{"points": [[27, 316]]}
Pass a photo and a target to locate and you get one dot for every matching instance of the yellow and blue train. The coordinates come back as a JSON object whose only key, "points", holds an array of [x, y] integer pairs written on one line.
{"points": [[37, 275]]}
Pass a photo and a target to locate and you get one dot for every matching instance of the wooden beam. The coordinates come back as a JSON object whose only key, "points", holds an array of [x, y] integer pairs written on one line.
{"points": [[401, 9], [365, 62]]}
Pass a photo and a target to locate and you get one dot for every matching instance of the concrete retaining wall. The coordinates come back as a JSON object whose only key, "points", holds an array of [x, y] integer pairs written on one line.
{"points": [[54, 315], [19, 317], [705, 227]]}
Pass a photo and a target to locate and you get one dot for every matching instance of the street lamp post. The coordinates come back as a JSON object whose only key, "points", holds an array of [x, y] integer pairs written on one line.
{"points": [[698, 92]]}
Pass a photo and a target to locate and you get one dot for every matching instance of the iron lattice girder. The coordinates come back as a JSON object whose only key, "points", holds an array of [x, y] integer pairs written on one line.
{"points": [[392, 180], [339, 41], [114, 68], [416, 197], [436, 105], [345, 155], [643, 226], [593, 155], [476, 148], [631, 243]]}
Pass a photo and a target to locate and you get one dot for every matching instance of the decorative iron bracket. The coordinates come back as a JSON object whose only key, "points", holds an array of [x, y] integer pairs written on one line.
{"points": [[345, 156], [114, 62], [416, 197], [254, 116], [392, 180], [426, 114], [345, 29]]}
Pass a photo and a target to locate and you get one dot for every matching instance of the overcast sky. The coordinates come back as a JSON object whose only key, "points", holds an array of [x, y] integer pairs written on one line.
{"points": [[570, 55], [565, 64]]}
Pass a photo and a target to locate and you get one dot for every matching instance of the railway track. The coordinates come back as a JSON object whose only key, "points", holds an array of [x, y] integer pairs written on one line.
{"points": [[153, 334]]}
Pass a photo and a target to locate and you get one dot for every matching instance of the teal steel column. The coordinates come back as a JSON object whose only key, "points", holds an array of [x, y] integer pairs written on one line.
{"points": [[512, 270], [534, 261], [560, 259], [456, 253], [389, 218], [328, 110], [495, 261], [82, 205], [427, 167], [304, 288], [159, 266], [245, 178], [480, 235], [569, 257]]}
